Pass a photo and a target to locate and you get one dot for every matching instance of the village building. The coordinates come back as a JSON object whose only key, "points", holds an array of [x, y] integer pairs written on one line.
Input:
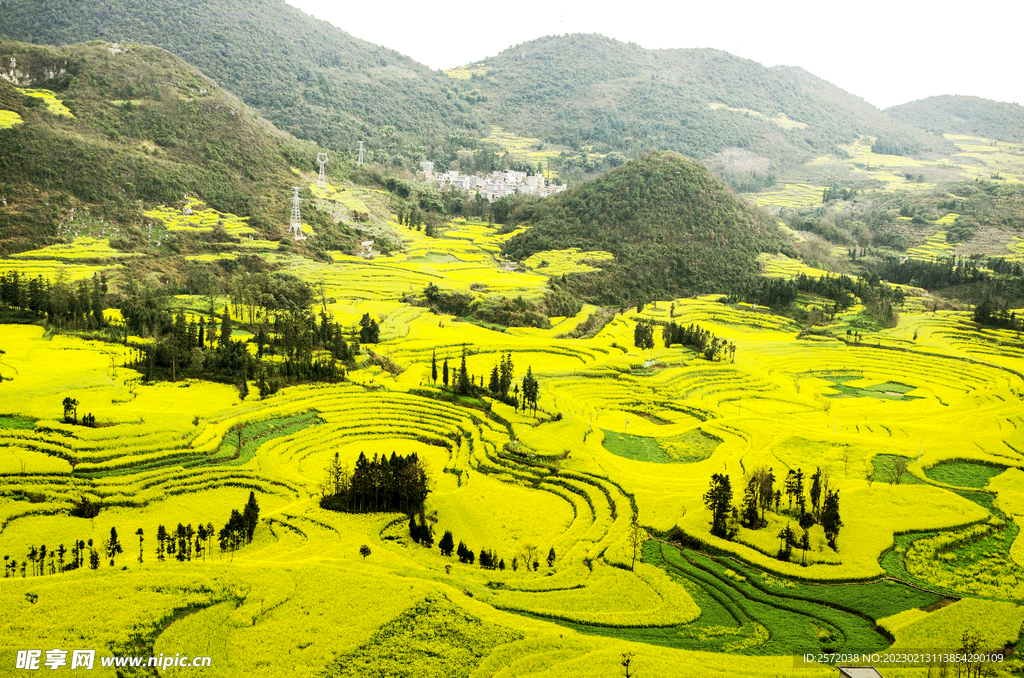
{"points": [[491, 186]]}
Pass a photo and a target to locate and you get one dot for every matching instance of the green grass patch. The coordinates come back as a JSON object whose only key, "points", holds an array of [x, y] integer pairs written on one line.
{"points": [[14, 421], [963, 473], [974, 561], [889, 390], [694, 445], [257, 433], [432, 638], [885, 470]]}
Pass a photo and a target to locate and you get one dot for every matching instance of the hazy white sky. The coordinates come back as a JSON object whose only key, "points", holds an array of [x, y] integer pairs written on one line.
{"points": [[886, 52]]}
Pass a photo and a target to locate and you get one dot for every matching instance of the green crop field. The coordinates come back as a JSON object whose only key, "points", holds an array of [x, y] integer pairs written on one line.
{"points": [[924, 554]]}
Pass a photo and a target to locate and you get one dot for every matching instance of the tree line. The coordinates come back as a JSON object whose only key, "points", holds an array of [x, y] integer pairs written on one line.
{"points": [[878, 298], [77, 306], [528, 558], [183, 544]]}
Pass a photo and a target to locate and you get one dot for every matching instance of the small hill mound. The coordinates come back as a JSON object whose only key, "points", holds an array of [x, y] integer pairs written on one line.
{"points": [[970, 116], [673, 227], [113, 132]]}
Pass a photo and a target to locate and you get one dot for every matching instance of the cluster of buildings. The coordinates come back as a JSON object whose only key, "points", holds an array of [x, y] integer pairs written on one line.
{"points": [[491, 186]]}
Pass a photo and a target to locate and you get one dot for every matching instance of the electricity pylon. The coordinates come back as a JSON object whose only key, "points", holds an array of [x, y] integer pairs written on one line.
{"points": [[296, 224], [322, 159]]}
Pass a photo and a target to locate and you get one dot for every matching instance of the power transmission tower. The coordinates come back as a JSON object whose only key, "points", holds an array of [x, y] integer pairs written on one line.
{"points": [[322, 159], [296, 225], [360, 160]]}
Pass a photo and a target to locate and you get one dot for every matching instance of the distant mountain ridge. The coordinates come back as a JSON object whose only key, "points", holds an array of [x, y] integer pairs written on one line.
{"points": [[308, 77], [592, 90], [970, 116], [673, 227]]}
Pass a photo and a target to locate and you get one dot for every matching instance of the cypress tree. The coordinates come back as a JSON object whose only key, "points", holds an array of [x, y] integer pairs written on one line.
{"points": [[495, 384], [447, 543], [225, 328], [433, 367], [463, 386], [251, 516]]}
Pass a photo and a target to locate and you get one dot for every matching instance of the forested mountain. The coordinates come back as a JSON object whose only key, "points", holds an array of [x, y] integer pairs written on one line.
{"points": [[591, 90], [133, 128], [306, 76], [972, 116], [674, 228]]}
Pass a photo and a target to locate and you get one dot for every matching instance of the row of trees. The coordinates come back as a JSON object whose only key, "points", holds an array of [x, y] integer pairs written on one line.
{"points": [[36, 565], [77, 306], [184, 543], [500, 386], [399, 484], [706, 344], [992, 314], [489, 560], [879, 298]]}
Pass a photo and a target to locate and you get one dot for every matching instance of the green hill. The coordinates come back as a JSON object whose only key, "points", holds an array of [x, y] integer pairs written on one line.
{"points": [[588, 90], [133, 129], [673, 227], [306, 76], [971, 116]]}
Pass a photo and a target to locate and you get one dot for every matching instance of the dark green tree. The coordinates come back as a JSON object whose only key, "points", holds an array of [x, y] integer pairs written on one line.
{"points": [[139, 532], [433, 367], [444, 372], [816, 490], [447, 543], [643, 334], [161, 537], [507, 375], [113, 546], [551, 557], [494, 385], [364, 551], [830, 520], [718, 500], [463, 385], [70, 410], [225, 328], [531, 390], [805, 545], [750, 516], [251, 516], [369, 331]]}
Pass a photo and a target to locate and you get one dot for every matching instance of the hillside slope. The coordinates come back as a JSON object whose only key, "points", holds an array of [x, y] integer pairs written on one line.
{"points": [[673, 227], [133, 129], [971, 116], [592, 90], [308, 77]]}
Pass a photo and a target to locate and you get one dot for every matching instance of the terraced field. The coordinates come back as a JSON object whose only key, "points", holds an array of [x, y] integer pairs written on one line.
{"points": [[921, 437]]}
